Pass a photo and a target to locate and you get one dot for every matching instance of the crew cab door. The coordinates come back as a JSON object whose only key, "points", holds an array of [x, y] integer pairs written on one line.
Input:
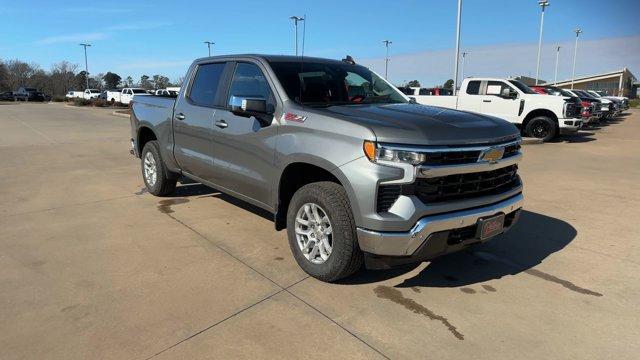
{"points": [[243, 146], [193, 120], [471, 99], [495, 104]]}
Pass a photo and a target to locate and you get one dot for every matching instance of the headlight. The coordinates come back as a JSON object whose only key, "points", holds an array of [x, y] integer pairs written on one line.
{"points": [[381, 153]]}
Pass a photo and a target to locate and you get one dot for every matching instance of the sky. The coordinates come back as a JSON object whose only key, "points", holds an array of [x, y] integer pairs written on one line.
{"points": [[133, 38]]}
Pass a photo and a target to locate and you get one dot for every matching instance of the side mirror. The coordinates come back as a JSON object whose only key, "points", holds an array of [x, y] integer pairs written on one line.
{"points": [[412, 100], [508, 93], [248, 106]]}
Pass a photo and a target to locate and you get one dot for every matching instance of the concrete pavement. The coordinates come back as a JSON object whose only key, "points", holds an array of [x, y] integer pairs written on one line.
{"points": [[91, 266]]}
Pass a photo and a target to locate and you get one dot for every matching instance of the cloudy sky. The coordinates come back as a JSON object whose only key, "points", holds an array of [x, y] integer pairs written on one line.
{"points": [[163, 37]]}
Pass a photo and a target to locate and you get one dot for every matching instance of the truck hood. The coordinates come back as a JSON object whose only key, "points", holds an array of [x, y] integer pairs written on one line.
{"points": [[426, 125]]}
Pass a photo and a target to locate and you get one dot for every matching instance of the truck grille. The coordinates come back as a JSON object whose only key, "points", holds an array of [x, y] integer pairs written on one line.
{"points": [[451, 187], [573, 110], [465, 186], [446, 157]]}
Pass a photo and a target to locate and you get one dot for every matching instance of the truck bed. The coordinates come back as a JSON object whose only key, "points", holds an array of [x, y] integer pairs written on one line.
{"points": [[153, 108]]}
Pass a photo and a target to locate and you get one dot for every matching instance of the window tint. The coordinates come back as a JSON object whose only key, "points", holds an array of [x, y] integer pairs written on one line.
{"points": [[248, 81], [473, 88], [205, 84]]}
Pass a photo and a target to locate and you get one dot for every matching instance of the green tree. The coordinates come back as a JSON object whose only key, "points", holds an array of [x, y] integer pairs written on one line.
{"points": [[128, 81], [80, 80], [448, 84], [111, 80], [145, 83], [413, 83]]}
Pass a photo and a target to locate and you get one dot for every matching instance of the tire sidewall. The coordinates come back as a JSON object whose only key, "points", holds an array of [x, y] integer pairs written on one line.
{"points": [[341, 234], [552, 125], [152, 147]]}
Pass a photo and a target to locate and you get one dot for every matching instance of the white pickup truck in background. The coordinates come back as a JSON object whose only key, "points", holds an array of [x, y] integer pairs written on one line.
{"points": [[536, 115], [126, 95]]}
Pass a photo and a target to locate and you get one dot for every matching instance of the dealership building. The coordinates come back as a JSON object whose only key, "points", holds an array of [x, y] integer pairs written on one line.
{"points": [[616, 83]]}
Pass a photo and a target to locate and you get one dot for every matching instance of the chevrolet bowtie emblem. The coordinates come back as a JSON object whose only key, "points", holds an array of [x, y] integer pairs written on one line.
{"points": [[492, 155]]}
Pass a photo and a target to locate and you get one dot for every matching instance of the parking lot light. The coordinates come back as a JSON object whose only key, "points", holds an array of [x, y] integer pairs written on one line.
{"points": [[464, 55], [86, 64], [455, 68], [386, 58], [555, 76], [209, 43], [296, 19], [578, 31], [543, 4]]}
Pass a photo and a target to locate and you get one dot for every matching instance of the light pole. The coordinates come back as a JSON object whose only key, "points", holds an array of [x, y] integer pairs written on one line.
{"points": [[209, 43], [575, 54], [555, 76], [296, 19], [543, 4], [464, 54], [86, 64], [386, 58], [455, 69]]}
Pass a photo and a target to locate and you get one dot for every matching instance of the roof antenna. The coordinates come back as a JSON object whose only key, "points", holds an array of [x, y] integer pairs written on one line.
{"points": [[304, 32]]}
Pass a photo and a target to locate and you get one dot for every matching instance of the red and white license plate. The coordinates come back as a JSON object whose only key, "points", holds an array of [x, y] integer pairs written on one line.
{"points": [[490, 226]]}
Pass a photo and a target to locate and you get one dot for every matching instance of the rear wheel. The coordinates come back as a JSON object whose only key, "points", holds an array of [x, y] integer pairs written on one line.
{"points": [[158, 180], [541, 127], [322, 232]]}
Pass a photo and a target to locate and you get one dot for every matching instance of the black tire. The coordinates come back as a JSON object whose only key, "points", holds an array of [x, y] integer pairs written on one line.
{"points": [[165, 182], [541, 127], [346, 256]]}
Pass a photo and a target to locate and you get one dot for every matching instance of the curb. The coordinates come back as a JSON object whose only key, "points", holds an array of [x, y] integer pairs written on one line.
{"points": [[531, 141], [116, 113]]}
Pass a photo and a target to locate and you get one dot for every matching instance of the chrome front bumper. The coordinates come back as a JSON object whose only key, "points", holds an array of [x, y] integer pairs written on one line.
{"points": [[406, 243]]}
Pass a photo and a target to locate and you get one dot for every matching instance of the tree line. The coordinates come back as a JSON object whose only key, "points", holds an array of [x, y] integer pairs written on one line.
{"points": [[64, 77]]}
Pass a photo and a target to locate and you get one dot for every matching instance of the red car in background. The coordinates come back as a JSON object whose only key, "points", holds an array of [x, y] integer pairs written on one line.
{"points": [[587, 106]]}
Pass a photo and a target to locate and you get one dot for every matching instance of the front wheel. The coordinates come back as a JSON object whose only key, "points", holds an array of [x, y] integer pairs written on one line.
{"points": [[322, 232], [541, 127], [154, 173]]}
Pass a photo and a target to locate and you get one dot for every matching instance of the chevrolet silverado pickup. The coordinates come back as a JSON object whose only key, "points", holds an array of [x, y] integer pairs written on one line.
{"points": [[536, 115], [352, 169]]}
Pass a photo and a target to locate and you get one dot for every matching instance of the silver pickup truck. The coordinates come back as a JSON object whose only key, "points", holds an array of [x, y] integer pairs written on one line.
{"points": [[355, 171]]}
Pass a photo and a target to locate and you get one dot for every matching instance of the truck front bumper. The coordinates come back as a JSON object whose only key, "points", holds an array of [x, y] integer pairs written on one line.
{"points": [[433, 236], [570, 126]]}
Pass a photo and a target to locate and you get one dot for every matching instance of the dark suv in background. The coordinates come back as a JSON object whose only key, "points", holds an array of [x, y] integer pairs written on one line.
{"points": [[28, 94]]}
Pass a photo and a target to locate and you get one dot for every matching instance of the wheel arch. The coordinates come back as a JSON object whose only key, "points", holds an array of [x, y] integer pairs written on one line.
{"points": [[293, 177], [540, 112]]}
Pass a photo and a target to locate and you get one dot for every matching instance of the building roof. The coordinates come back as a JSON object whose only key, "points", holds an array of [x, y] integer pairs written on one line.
{"points": [[595, 77]]}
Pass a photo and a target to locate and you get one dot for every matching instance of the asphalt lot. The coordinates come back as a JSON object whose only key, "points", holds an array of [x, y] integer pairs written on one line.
{"points": [[93, 267]]}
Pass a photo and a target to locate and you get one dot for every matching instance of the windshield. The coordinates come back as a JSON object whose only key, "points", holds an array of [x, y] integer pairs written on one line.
{"points": [[324, 84], [524, 88], [139, 91]]}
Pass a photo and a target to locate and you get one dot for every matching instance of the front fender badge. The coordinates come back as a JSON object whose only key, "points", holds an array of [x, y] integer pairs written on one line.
{"points": [[294, 117]]}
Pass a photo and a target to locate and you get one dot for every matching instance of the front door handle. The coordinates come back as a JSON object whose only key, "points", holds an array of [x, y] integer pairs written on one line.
{"points": [[180, 116], [486, 100], [221, 124]]}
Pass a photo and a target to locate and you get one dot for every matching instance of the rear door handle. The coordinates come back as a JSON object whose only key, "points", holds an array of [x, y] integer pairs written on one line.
{"points": [[221, 124], [486, 100], [180, 116]]}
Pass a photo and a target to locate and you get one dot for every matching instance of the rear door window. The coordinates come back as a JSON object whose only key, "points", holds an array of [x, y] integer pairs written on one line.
{"points": [[206, 83]]}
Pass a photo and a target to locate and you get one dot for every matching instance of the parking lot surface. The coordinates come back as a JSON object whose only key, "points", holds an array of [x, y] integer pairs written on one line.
{"points": [[91, 266]]}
